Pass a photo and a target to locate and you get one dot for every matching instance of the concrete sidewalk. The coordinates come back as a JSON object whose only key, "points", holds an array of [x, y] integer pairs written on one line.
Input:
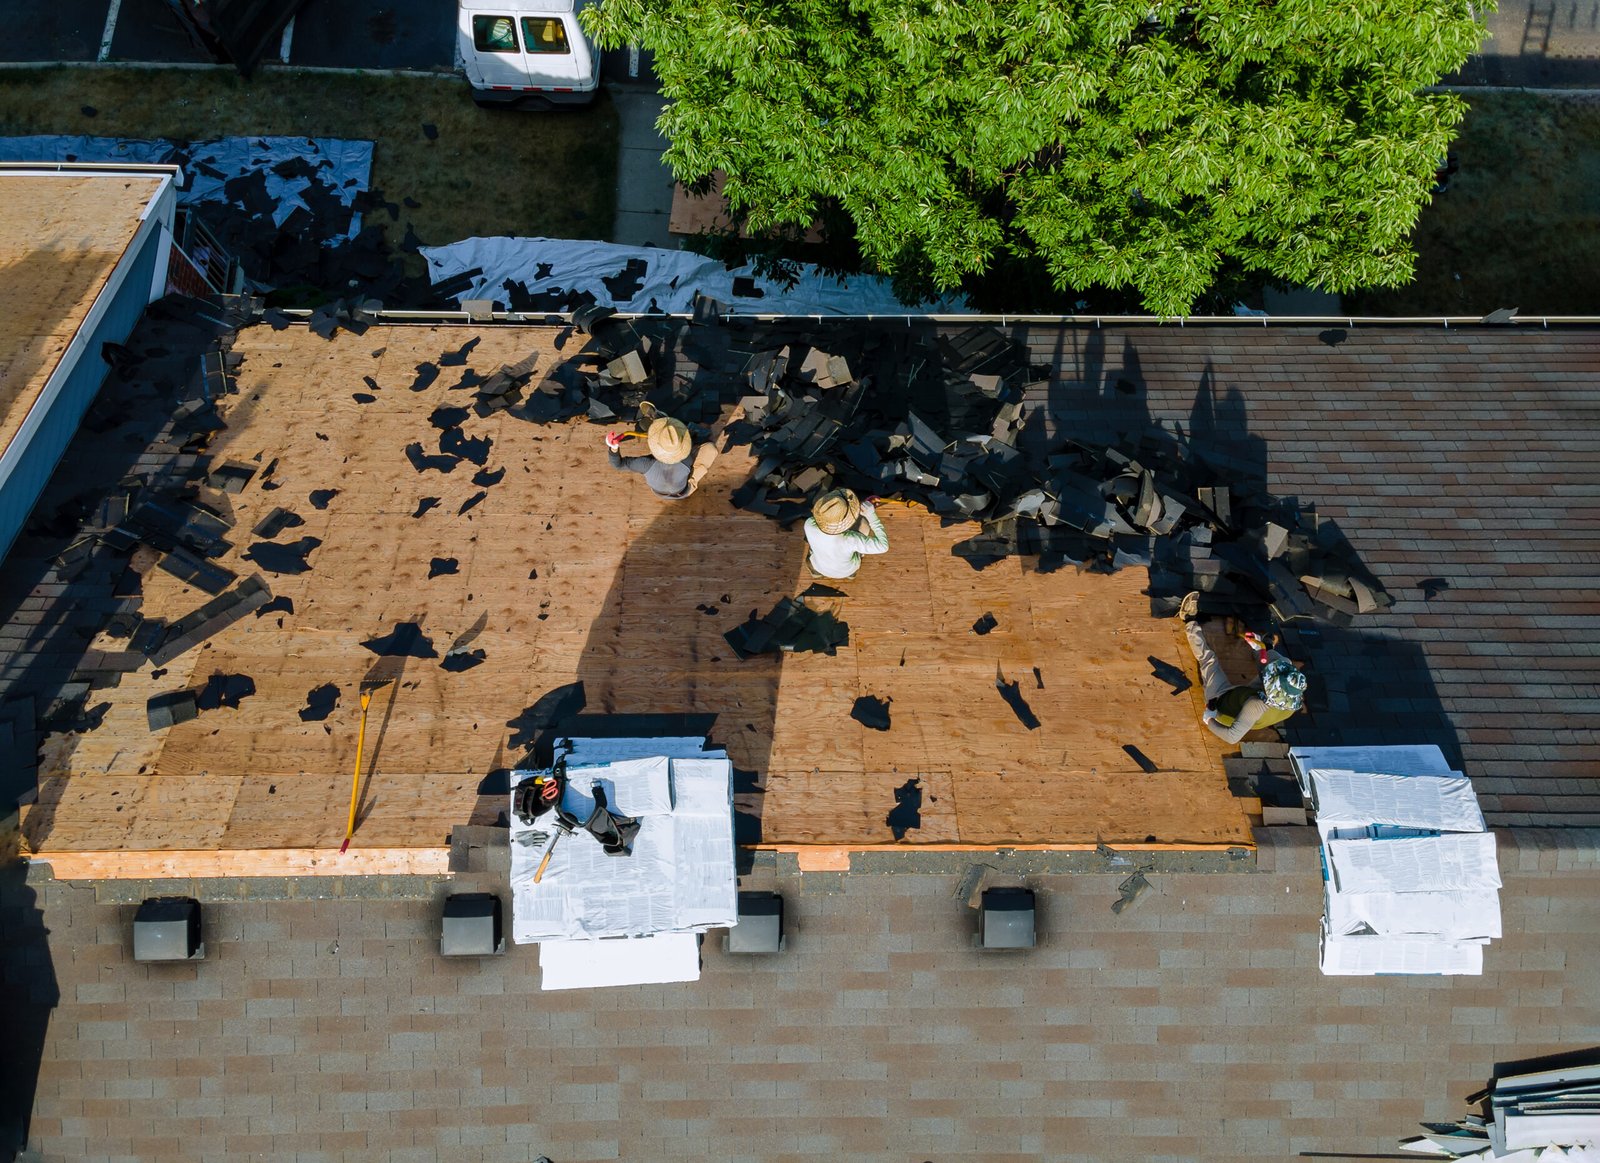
{"points": [[644, 183], [1538, 44]]}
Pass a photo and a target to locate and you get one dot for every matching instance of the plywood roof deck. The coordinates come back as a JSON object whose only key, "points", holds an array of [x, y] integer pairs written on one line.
{"points": [[568, 571], [60, 238]]}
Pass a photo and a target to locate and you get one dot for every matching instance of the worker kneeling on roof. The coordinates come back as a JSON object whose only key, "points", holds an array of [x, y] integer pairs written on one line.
{"points": [[1232, 712], [840, 531], [669, 462]]}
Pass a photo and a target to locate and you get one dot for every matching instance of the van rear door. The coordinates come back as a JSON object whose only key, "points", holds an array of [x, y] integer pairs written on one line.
{"points": [[558, 56], [491, 50]]}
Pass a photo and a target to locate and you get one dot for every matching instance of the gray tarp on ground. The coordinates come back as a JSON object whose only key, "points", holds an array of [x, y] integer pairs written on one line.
{"points": [[344, 167], [669, 283]]}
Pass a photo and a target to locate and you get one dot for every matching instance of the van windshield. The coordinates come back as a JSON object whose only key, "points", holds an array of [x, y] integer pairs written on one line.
{"points": [[545, 34], [494, 34]]}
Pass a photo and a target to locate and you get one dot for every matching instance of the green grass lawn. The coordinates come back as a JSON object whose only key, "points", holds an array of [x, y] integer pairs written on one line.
{"points": [[1520, 224], [488, 172]]}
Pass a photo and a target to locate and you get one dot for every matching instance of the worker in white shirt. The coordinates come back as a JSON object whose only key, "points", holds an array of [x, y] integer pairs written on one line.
{"points": [[841, 531]]}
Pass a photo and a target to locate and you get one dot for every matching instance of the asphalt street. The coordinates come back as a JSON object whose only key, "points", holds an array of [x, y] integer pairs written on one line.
{"points": [[399, 34], [1534, 43]]}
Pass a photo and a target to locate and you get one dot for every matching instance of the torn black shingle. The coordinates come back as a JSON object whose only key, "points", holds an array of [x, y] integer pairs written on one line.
{"points": [[1011, 692], [791, 627], [276, 522], [425, 462], [170, 709], [320, 703], [406, 640], [216, 615], [462, 660], [458, 357], [906, 815], [453, 442], [283, 558], [1172, 675], [225, 690], [1146, 764], [871, 712], [427, 373]]}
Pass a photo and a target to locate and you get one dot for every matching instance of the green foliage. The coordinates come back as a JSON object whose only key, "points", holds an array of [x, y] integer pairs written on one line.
{"points": [[1120, 143]]}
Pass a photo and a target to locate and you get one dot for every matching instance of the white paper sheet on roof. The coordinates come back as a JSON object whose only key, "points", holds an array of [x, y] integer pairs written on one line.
{"points": [[344, 167], [1365, 956], [664, 957], [1436, 863], [679, 877], [583, 752], [669, 283], [633, 787], [1542, 1130], [1347, 798], [1416, 759], [1465, 915]]}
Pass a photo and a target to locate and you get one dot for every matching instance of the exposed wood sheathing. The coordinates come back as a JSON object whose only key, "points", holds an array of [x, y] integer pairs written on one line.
{"points": [[60, 238], [632, 596]]}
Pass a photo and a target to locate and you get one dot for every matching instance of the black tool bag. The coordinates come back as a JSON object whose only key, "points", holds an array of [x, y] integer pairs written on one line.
{"points": [[532, 800]]}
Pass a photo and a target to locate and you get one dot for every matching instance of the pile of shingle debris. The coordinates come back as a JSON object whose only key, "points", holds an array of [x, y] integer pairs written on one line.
{"points": [[940, 418]]}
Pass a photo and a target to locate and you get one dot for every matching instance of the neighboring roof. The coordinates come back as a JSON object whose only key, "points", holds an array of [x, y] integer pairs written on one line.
{"points": [[60, 238], [1467, 456], [1192, 1026]]}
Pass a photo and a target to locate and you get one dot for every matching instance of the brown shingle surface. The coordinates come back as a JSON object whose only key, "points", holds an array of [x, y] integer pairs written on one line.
{"points": [[1194, 1026], [1472, 456]]}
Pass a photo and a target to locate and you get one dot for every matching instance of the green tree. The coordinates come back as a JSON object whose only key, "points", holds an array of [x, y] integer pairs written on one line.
{"points": [[1120, 143]]}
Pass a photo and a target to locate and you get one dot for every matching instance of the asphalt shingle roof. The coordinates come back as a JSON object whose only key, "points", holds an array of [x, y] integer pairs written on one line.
{"points": [[1194, 1025], [1471, 456]]}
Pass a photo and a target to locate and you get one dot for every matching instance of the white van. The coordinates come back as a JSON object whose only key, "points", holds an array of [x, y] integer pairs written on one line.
{"points": [[527, 53]]}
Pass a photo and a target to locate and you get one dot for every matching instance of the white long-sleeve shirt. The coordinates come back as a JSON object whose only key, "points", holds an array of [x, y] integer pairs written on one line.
{"points": [[839, 555]]}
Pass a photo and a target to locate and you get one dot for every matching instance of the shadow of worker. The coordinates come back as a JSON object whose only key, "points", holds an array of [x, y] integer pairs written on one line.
{"points": [[698, 568]]}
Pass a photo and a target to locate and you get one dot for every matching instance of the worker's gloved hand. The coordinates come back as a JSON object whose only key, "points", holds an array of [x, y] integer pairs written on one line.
{"points": [[1209, 717], [613, 440], [874, 501]]}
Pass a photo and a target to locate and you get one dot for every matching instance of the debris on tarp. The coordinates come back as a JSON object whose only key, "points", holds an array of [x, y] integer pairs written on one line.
{"points": [[557, 274], [228, 170]]}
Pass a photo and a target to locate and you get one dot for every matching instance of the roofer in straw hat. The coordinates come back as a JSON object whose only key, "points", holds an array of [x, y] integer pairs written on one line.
{"points": [[841, 531], [669, 461], [1232, 712]]}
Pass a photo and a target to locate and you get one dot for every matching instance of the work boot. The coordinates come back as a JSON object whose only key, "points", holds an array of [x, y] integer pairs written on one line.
{"points": [[1189, 608]]}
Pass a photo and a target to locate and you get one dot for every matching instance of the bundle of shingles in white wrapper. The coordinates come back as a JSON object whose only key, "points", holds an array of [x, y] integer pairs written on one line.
{"points": [[629, 920], [1542, 1115], [1411, 880]]}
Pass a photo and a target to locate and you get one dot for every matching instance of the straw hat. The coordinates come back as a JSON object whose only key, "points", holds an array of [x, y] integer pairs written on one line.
{"points": [[836, 510], [668, 440]]}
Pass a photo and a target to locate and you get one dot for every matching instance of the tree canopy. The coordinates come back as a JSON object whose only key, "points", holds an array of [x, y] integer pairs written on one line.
{"points": [[1135, 144]]}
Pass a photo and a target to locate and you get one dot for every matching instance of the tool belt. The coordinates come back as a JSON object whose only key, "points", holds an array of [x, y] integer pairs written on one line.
{"points": [[615, 833]]}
